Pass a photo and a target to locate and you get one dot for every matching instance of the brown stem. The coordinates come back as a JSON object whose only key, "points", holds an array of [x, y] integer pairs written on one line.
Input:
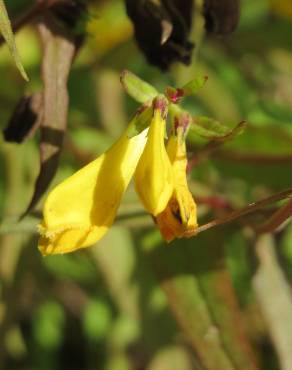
{"points": [[232, 216], [278, 218]]}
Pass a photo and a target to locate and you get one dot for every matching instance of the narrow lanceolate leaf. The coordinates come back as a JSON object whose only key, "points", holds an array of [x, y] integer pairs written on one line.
{"points": [[6, 30], [211, 129], [59, 51], [138, 89]]}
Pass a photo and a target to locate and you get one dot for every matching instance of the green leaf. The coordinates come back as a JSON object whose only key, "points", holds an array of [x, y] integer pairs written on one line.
{"points": [[137, 88], [140, 121], [211, 129], [48, 325], [277, 111], [96, 319], [174, 95], [6, 30], [192, 87]]}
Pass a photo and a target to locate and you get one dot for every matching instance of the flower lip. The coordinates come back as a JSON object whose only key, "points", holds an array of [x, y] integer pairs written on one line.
{"points": [[179, 218]]}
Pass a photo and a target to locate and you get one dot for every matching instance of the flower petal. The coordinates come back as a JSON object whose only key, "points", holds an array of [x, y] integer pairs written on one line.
{"points": [[79, 211], [153, 176], [179, 218]]}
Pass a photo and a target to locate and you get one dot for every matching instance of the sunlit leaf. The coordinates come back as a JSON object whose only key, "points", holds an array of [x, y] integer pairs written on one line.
{"points": [[138, 89], [194, 86], [6, 30]]}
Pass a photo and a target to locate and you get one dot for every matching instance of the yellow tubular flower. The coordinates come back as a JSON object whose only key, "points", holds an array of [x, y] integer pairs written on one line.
{"points": [[179, 219], [153, 176], [79, 211]]}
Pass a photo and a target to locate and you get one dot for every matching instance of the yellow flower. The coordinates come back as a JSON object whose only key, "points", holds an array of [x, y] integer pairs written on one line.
{"points": [[153, 177], [80, 210], [179, 218]]}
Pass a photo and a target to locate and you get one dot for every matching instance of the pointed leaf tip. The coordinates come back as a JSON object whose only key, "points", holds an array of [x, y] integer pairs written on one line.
{"points": [[194, 86], [6, 30], [212, 129]]}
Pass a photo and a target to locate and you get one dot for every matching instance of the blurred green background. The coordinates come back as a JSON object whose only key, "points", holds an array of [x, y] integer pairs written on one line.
{"points": [[218, 301]]}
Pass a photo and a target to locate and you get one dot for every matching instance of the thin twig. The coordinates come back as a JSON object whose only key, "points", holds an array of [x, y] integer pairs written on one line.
{"points": [[245, 211], [278, 218]]}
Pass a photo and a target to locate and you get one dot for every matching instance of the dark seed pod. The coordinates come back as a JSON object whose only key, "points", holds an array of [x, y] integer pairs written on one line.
{"points": [[162, 30], [221, 16], [25, 118]]}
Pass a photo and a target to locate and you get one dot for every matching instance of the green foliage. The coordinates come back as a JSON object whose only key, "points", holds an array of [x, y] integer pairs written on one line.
{"points": [[96, 320], [219, 300], [194, 86], [48, 325]]}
